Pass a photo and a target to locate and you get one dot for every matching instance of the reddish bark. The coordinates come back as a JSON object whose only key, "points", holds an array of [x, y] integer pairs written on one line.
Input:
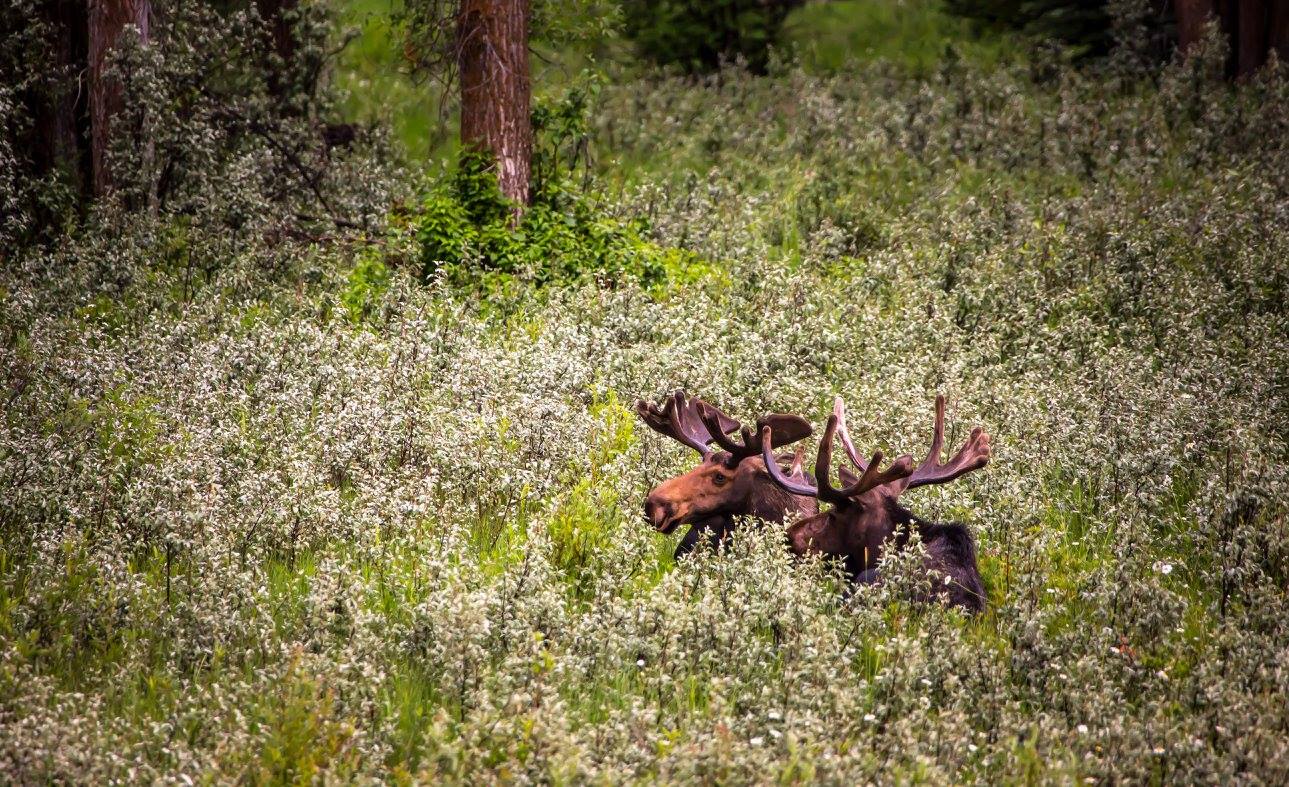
{"points": [[1278, 29], [492, 57], [1192, 15], [56, 143], [107, 20]]}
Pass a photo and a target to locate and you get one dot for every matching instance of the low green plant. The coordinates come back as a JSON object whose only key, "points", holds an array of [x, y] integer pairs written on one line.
{"points": [[245, 538], [367, 282], [467, 232], [699, 37]]}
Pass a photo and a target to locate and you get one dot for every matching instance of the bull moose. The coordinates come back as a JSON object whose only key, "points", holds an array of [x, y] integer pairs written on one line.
{"points": [[727, 483], [865, 514]]}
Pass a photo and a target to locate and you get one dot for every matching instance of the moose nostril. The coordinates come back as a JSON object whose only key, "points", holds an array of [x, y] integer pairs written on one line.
{"points": [[656, 510]]}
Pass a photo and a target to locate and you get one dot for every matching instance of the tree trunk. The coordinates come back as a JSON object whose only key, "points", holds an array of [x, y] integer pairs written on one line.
{"points": [[107, 19], [275, 14], [492, 57], [55, 108], [1278, 29], [1192, 15], [1251, 36]]}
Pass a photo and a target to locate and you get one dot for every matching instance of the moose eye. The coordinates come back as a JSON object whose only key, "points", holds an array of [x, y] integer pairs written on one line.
{"points": [[720, 479]]}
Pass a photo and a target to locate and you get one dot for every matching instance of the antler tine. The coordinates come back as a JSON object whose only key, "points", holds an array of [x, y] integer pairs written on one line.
{"points": [[870, 476], [973, 455], [797, 486], [823, 489], [675, 419], [823, 466], [657, 418], [682, 415], [751, 441], [937, 436], [786, 429], [899, 469], [798, 456], [839, 410]]}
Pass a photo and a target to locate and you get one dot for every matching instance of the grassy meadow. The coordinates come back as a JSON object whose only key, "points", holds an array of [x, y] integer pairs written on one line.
{"points": [[286, 510]]}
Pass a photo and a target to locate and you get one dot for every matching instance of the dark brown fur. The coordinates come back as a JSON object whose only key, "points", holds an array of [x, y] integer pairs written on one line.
{"points": [[728, 483], [866, 516], [859, 538], [709, 497]]}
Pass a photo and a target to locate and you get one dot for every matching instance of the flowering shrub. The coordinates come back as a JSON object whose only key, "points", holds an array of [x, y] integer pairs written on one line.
{"points": [[244, 537]]}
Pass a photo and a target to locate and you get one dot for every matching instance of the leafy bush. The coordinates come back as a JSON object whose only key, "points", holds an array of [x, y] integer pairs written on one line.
{"points": [[699, 37], [1088, 29], [366, 287], [219, 138], [236, 136], [468, 232], [37, 198]]}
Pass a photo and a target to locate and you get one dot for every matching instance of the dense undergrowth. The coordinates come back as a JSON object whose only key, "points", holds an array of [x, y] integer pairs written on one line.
{"points": [[278, 521]]}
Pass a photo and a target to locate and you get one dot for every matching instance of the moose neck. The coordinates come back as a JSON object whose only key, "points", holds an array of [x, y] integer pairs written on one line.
{"points": [[771, 502], [869, 525]]}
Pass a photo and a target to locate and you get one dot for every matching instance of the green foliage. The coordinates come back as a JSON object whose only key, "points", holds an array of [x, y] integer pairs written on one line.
{"points": [[914, 34], [1088, 29], [430, 34], [375, 87], [244, 538], [562, 134], [699, 37], [582, 524], [303, 736], [214, 95], [1083, 23], [368, 281], [467, 231], [39, 182]]}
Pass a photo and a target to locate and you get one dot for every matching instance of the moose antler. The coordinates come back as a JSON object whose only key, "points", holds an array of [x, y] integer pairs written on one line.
{"points": [[973, 455], [823, 488], [839, 410], [786, 429], [698, 424], [679, 419]]}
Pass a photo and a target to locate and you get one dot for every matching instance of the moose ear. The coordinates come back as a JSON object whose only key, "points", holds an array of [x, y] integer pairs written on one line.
{"points": [[847, 478], [786, 428]]}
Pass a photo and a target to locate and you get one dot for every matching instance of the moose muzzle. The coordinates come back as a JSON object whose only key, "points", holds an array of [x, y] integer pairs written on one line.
{"points": [[661, 514]]}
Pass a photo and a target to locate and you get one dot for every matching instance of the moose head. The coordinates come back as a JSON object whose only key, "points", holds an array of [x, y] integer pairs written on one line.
{"points": [[728, 482], [865, 510]]}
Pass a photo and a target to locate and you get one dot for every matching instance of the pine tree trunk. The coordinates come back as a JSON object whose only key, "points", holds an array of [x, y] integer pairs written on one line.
{"points": [[57, 141], [1251, 36], [107, 19], [1192, 15], [1278, 29], [492, 56]]}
